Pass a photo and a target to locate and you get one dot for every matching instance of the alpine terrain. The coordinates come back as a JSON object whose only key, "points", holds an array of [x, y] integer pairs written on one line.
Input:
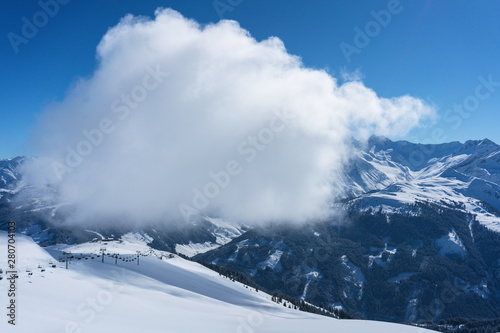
{"points": [[413, 238]]}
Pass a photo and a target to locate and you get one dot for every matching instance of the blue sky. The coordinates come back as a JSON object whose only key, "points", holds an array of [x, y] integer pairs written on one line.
{"points": [[444, 52]]}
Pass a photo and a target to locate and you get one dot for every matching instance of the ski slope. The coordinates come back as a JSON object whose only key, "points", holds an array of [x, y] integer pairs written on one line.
{"points": [[162, 294]]}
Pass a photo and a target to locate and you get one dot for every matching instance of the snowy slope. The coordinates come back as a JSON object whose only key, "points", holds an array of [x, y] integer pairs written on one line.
{"points": [[223, 231], [158, 295]]}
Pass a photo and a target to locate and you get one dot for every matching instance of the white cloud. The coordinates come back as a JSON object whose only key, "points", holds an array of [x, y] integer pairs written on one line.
{"points": [[163, 135]]}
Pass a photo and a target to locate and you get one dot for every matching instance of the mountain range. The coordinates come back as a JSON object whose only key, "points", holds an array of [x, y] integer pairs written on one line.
{"points": [[414, 236]]}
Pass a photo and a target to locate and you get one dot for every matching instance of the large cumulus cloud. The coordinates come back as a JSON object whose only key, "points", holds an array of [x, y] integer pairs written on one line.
{"points": [[181, 119]]}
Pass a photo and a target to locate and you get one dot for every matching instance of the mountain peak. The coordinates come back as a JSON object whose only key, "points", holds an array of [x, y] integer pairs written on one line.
{"points": [[378, 139], [479, 146], [486, 142]]}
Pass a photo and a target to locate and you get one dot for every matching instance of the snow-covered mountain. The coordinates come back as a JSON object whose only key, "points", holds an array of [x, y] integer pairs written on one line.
{"points": [[379, 174], [416, 237], [9, 174], [416, 223], [159, 292], [388, 175]]}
